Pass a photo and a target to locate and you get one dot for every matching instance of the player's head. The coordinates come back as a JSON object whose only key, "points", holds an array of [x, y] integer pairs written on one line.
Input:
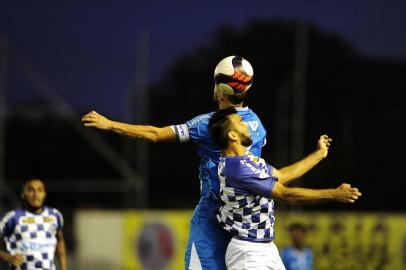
{"points": [[227, 127], [33, 193], [298, 232], [233, 76]]}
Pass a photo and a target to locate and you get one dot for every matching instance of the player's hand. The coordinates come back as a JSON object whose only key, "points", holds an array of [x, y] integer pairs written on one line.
{"points": [[346, 194], [15, 260], [323, 145], [93, 119]]}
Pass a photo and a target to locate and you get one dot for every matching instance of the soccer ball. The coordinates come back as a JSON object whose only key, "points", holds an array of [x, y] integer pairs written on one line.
{"points": [[233, 75]]}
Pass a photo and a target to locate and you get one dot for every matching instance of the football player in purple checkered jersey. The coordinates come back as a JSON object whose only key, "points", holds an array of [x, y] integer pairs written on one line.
{"points": [[33, 232], [248, 186]]}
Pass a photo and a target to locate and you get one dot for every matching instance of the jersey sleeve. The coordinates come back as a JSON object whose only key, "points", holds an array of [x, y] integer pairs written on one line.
{"points": [[249, 178], [59, 218], [193, 130], [7, 224]]}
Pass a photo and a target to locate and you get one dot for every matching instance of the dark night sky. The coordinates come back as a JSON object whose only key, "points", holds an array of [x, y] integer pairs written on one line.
{"points": [[86, 50]]}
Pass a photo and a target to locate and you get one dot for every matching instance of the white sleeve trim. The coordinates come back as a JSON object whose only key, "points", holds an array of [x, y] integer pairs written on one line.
{"points": [[4, 221], [182, 132]]}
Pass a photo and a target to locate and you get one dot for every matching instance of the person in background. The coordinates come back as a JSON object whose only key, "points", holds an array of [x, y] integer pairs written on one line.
{"points": [[33, 232], [298, 256]]}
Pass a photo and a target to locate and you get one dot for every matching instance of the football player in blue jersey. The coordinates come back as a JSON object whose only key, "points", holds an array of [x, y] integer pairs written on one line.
{"points": [[33, 233], [233, 78], [248, 187]]}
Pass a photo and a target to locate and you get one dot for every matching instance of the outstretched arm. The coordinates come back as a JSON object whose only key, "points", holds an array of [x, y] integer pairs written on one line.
{"points": [[140, 132], [61, 251], [344, 193], [298, 169]]}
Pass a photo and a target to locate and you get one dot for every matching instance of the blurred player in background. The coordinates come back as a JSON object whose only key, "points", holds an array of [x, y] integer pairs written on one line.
{"points": [[33, 232], [298, 256], [248, 186], [207, 241]]}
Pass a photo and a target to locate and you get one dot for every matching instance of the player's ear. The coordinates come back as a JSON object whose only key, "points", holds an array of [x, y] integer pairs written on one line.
{"points": [[216, 94], [232, 135]]}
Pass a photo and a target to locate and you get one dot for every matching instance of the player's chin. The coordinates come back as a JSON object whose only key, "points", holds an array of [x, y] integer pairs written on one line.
{"points": [[36, 204]]}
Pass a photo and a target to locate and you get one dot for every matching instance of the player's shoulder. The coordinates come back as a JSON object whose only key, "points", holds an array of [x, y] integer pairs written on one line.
{"points": [[6, 216], [10, 218], [248, 165], [53, 211], [14, 213], [236, 165], [201, 119], [286, 253], [246, 112], [249, 116]]}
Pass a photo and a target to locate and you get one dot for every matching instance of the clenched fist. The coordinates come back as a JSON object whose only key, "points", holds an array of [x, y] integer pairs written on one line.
{"points": [[323, 145]]}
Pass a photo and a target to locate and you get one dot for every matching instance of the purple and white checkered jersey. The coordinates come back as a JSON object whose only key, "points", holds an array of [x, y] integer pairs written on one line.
{"points": [[33, 235], [246, 184]]}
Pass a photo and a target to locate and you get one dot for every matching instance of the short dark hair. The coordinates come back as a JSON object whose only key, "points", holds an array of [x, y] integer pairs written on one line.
{"points": [[219, 126], [298, 226], [26, 182]]}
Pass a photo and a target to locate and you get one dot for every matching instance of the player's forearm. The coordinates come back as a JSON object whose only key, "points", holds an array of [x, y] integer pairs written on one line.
{"points": [[139, 132], [299, 168], [63, 261], [307, 196], [61, 252]]}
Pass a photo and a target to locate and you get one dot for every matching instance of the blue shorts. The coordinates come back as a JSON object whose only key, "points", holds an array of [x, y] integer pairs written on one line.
{"points": [[208, 241]]}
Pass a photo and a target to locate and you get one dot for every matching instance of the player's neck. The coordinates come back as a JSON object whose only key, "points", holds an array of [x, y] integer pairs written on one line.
{"points": [[298, 247], [226, 104], [234, 149], [35, 210]]}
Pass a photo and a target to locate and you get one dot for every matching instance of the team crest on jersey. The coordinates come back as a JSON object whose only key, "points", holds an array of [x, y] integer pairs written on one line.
{"points": [[253, 125]]}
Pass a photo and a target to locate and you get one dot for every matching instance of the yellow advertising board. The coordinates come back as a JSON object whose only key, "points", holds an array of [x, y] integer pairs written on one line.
{"points": [[340, 240], [155, 240], [354, 241]]}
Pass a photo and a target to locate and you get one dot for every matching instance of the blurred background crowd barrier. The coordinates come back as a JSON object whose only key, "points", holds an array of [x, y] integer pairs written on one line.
{"points": [[156, 240]]}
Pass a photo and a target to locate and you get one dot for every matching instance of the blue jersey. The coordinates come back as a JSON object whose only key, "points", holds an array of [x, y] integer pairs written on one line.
{"points": [[33, 235], [294, 259], [196, 130]]}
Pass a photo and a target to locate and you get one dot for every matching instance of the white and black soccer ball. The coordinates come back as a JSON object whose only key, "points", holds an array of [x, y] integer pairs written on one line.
{"points": [[233, 75]]}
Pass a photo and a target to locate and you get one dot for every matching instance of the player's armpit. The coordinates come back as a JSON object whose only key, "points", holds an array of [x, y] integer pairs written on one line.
{"points": [[279, 190], [283, 178], [276, 173]]}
